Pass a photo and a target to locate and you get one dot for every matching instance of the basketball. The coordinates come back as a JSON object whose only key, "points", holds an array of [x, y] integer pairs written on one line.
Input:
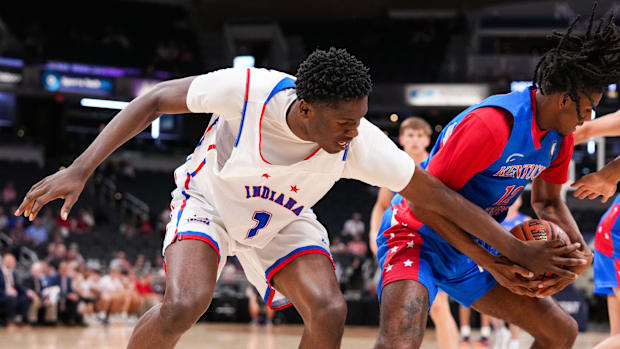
{"points": [[539, 229]]}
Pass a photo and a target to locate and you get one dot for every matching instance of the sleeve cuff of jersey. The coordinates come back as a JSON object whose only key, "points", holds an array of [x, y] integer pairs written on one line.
{"points": [[409, 169], [554, 180]]}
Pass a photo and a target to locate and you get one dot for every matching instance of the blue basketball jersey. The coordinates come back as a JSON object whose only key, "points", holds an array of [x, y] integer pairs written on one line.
{"points": [[499, 185]]}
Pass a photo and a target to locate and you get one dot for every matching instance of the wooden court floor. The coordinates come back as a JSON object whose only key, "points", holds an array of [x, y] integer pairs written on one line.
{"points": [[224, 336]]}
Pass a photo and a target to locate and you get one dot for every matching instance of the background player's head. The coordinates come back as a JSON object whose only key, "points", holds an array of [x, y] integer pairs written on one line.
{"points": [[414, 135], [576, 72], [333, 88]]}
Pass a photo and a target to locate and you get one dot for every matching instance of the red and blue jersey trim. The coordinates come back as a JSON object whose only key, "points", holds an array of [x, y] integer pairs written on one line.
{"points": [[245, 105], [281, 263], [196, 235]]}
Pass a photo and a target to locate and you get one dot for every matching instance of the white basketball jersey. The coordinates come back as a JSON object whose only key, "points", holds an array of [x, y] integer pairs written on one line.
{"points": [[255, 198]]}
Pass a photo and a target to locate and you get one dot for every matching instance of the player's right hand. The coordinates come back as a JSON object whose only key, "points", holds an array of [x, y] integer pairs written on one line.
{"points": [[65, 184], [512, 276], [541, 257]]}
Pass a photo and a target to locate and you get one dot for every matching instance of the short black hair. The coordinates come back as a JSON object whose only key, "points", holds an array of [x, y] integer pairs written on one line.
{"points": [[585, 63], [331, 77]]}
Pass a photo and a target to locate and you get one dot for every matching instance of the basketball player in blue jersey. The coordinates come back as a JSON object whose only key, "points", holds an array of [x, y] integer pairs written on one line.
{"points": [[489, 153], [276, 145]]}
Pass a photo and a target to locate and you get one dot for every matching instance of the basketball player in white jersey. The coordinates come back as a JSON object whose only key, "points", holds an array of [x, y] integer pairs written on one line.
{"points": [[274, 147]]}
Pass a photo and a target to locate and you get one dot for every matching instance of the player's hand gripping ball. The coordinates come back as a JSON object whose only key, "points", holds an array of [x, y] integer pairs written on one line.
{"points": [[538, 229]]}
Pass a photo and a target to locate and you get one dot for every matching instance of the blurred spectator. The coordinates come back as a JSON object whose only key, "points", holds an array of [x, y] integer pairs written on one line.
{"points": [[18, 233], [144, 287], [120, 261], [162, 220], [64, 226], [127, 228], [57, 253], [74, 255], [86, 287], [68, 302], [357, 247], [36, 284], [8, 193], [36, 232], [84, 222], [47, 220], [4, 220], [337, 246], [353, 226], [141, 265], [14, 299], [145, 226]]}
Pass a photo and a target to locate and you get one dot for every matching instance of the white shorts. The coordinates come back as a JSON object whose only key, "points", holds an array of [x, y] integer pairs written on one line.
{"points": [[192, 217]]}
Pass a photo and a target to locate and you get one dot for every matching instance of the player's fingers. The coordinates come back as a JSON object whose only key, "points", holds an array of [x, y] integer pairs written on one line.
{"points": [[562, 249], [66, 207], [39, 203], [563, 273], [569, 262], [604, 198], [517, 269], [593, 196]]}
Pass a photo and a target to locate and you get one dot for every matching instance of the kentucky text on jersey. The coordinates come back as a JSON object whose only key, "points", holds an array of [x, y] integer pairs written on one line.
{"points": [[527, 171], [263, 192]]}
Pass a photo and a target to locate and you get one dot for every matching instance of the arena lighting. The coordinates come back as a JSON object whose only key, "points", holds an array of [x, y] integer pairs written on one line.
{"points": [[110, 104], [591, 145], [243, 61], [102, 103]]}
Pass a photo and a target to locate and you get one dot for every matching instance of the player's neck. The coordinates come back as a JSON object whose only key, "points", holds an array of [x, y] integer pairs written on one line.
{"points": [[418, 157], [295, 121]]}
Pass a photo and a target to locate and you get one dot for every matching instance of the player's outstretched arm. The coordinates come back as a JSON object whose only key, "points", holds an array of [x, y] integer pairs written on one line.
{"points": [[429, 193], [383, 202], [165, 98], [605, 126]]}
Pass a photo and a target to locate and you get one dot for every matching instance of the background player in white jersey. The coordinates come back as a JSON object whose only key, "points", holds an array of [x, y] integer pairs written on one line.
{"points": [[276, 148], [414, 135]]}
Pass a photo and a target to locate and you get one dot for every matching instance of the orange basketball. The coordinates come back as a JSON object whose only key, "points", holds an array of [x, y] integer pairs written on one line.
{"points": [[538, 229]]}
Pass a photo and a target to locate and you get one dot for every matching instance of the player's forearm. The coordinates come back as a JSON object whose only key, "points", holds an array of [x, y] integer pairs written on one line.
{"points": [[375, 223], [429, 193], [557, 212], [454, 235], [611, 171]]}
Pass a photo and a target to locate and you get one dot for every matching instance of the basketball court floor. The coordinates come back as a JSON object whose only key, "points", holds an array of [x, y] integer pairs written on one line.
{"points": [[206, 336]]}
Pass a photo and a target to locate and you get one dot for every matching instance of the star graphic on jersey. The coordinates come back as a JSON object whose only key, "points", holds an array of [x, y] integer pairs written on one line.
{"points": [[294, 188], [394, 249], [266, 175], [388, 267], [408, 263], [410, 244]]}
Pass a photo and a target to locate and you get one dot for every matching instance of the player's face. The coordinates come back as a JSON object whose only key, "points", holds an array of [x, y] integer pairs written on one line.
{"points": [[333, 128], [567, 118], [414, 141]]}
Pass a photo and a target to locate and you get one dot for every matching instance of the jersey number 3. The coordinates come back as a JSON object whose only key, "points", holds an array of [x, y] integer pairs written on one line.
{"points": [[262, 218]]}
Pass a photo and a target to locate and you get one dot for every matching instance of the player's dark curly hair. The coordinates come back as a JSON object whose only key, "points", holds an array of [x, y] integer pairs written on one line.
{"points": [[584, 63], [331, 77]]}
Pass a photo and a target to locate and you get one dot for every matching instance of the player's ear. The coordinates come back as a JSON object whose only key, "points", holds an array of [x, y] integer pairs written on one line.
{"points": [[305, 109]]}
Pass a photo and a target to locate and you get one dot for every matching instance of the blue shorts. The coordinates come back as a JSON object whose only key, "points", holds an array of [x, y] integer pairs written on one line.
{"points": [[416, 252], [606, 272]]}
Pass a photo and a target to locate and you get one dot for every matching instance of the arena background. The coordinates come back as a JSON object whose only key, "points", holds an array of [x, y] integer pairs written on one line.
{"points": [[67, 67]]}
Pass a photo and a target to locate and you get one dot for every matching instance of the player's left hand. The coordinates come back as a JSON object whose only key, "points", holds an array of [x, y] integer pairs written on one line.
{"points": [[554, 285], [594, 185]]}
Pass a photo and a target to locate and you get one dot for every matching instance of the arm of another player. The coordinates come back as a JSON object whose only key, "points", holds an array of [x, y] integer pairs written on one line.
{"points": [[601, 183], [376, 215], [165, 98], [605, 126], [429, 193], [548, 205]]}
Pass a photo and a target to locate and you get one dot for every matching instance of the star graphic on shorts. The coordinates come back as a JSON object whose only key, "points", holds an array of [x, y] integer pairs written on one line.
{"points": [[410, 244], [411, 234], [266, 175], [388, 267], [391, 235], [294, 188], [606, 236], [408, 263], [394, 249]]}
